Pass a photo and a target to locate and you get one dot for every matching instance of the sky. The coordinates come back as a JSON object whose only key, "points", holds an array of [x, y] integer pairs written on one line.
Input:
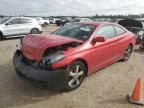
{"points": [[71, 7]]}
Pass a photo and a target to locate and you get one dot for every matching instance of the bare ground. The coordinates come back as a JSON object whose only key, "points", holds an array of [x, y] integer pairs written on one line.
{"points": [[106, 88]]}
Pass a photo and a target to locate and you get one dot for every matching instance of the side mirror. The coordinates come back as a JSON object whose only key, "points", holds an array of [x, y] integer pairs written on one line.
{"points": [[98, 39]]}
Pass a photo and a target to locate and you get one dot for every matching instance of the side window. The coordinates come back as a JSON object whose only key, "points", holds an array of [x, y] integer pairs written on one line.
{"points": [[106, 31], [119, 30], [15, 21], [24, 20]]}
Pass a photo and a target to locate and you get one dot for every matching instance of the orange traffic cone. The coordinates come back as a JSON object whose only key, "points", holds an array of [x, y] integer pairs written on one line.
{"points": [[136, 96]]}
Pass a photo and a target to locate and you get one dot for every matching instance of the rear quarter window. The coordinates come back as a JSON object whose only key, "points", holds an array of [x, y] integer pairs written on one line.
{"points": [[119, 30]]}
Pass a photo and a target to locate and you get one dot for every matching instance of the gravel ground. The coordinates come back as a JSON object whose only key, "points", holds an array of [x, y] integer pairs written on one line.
{"points": [[106, 88]]}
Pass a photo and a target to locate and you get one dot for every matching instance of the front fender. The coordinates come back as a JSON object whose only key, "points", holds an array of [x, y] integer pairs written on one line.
{"points": [[66, 61]]}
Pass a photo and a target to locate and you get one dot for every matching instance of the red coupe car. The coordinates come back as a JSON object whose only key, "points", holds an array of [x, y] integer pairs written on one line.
{"points": [[62, 59]]}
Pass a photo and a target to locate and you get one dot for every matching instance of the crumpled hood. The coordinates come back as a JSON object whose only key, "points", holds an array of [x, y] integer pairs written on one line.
{"points": [[34, 46]]}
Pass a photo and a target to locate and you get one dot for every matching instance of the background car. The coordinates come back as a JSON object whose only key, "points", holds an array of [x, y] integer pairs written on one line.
{"points": [[53, 20], [69, 20], [62, 21], [42, 21], [63, 59], [80, 20], [10, 26], [134, 26]]}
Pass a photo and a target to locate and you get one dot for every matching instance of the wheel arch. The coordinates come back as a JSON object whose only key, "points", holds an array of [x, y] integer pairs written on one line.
{"points": [[34, 28], [1, 34], [131, 45]]}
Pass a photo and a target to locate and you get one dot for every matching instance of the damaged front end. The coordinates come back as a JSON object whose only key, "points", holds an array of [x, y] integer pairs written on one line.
{"points": [[51, 56], [34, 60], [55, 54], [50, 79], [41, 73], [44, 51]]}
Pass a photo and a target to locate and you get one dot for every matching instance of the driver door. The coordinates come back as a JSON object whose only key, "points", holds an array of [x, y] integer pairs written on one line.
{"points": [[104, 53]]}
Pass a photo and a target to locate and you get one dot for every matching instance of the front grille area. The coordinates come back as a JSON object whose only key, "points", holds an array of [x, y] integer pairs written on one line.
{"points": [[35, 64], [28, 61]]}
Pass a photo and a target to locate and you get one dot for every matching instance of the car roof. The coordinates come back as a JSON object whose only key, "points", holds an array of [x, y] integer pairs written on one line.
{"points": [[23, 17]]}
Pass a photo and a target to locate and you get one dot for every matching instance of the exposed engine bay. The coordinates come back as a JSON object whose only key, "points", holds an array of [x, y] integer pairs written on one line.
{"points": [[61, 48]]}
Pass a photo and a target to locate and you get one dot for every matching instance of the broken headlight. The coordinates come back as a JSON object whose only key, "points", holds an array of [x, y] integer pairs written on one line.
{"points": [[19, 45], [47, 61]]}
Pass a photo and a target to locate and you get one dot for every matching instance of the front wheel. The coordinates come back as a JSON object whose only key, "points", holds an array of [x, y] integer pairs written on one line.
{"points": [[77, 74], [127, 53]]}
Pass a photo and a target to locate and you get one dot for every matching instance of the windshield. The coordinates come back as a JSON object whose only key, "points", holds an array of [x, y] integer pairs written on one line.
{"points": [[77, 31], [3, 20]]}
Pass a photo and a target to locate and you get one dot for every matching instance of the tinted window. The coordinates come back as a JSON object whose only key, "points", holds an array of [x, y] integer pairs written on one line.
{"points": [[24, 20], [85, 20], [106, 31], [76, 20], [3, 20], [77, 31], [15, 21], [119, 30], [19, 21]]}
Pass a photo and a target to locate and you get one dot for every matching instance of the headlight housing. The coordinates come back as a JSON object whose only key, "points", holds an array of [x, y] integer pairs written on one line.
{"points": [[47, 61], [19, 45]]}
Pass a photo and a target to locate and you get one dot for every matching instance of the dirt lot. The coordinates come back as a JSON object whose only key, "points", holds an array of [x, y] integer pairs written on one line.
{"points": [[105, 89]]}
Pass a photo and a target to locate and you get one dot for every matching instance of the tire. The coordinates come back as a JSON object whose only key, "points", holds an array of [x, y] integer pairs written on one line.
{"points": [[58, 24], [77, 72], [127, 53], [1, 36], [45, 24], [35, 31]]}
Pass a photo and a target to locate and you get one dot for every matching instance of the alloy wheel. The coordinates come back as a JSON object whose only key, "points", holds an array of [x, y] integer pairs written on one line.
{"points": [[34, 31], [128, 53], [76, 76]]}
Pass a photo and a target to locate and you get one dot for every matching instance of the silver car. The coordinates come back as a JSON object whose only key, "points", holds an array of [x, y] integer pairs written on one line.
{"points": [[12, 26]]}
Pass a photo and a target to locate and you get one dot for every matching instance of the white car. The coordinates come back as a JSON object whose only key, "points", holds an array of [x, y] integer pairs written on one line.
{"points": [[42, 22], [12, 26], [53, 20]]}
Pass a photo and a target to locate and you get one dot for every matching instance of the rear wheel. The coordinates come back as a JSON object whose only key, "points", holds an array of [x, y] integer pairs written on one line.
{"points": [[45, 24], [127, 54], [35, 31], [77, 74], [1, 36]]}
